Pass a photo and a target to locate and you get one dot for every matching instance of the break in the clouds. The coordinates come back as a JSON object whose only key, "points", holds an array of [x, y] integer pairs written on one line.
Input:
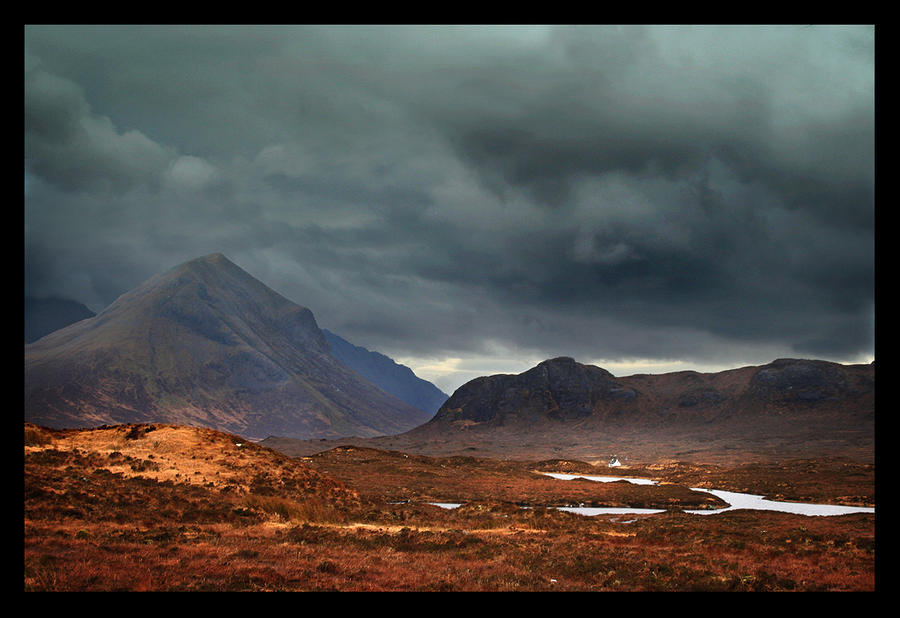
{"points": [[473, 198]]}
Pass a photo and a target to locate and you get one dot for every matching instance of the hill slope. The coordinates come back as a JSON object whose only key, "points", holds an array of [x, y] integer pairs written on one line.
{"points": [[193, 456], [394, 378], [205, 344]]}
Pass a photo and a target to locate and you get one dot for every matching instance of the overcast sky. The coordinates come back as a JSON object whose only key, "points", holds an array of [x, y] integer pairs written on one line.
{"points": [[473, 200]]}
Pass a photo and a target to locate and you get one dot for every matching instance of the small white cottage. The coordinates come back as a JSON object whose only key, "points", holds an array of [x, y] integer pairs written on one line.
{"points": [[614, 462]]}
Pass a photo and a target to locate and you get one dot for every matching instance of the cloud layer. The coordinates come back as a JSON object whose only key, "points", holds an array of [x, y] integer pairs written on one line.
{"points": [[702, 195]]}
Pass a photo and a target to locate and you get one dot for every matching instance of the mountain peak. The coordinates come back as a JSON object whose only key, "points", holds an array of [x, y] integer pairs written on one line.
{"points": [[212, 265], [557, 388], [214, 257], [215, 260], [564, 367], [559, 360]]}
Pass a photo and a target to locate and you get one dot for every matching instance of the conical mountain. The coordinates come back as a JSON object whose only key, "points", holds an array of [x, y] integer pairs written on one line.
{"points": [[205, 344]]}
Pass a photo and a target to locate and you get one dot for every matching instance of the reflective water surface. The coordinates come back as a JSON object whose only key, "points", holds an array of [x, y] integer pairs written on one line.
{"points": [[734, 499]]}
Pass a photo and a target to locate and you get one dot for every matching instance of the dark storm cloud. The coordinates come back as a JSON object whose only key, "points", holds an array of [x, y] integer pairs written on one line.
{"points": [[75, 149], [694, 193]]}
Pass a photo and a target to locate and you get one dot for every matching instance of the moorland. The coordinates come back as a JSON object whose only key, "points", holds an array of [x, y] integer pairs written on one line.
{"points": [[161, 507]]}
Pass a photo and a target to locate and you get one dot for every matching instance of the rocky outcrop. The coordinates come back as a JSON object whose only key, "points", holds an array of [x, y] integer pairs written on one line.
{"points": [[793, 380], [700, 397]]}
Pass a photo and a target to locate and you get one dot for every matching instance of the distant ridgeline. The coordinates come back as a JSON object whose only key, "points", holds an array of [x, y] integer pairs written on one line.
{"points": [[45, 315], [384, 372], [789, 394]]}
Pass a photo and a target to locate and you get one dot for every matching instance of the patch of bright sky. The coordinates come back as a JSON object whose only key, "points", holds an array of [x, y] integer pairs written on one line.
{"points": [[449, 373]]}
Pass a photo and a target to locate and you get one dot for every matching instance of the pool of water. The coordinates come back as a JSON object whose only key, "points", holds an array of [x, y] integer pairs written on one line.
{"points": [[601, 479], [447, 505], [750, 501], [734, 499]]}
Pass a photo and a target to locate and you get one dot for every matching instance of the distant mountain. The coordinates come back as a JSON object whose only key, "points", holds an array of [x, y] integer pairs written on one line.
{"points": [[562, 390], [45, 315], [205, 344], [384, 372], [557, 389]]}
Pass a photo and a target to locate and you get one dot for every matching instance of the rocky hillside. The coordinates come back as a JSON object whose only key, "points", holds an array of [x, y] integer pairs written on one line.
{"points": [[205, 344], [392, 377]]}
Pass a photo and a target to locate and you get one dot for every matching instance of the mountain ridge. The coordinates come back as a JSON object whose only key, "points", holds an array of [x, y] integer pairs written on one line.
{"points": [[393, 377], [563, 389]]}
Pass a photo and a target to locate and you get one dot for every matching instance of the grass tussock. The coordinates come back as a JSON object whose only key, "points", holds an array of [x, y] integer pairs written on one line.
{"points": [[311, 510], [37, 436]]}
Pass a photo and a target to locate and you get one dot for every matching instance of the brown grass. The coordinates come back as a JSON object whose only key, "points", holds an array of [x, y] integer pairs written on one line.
{"points": [[312, 510]]}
